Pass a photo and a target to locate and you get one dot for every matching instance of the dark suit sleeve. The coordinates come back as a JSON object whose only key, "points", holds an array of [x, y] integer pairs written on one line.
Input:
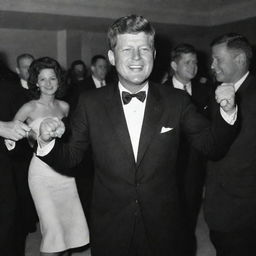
{"points": [[64, 156], [6, 97], [213, 138]]}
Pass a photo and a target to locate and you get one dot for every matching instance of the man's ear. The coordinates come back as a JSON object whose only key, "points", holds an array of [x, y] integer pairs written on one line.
{"points": [[111, 57], [17, 70], [241, 59], [92, 69], [174, 65], [154, 54]]}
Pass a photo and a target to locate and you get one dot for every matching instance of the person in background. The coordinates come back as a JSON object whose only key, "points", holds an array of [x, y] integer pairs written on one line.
{"points": [[191, 165], [62, 221], [21, 156], [78, 72], [99, 69], [134, 130], [14, 130], [75, 83], [230, 205]]}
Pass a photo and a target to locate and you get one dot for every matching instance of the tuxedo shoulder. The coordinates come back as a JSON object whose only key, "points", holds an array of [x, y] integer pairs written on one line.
{"points": [[96, 93], [168, 91]]}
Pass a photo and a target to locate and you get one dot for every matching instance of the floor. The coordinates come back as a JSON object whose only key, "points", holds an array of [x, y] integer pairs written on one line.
{"points": [[205, 247]]}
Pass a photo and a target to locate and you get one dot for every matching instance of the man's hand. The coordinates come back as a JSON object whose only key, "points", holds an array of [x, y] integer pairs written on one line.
{"points": [[13, 130], [50, 128], [225, 96]]}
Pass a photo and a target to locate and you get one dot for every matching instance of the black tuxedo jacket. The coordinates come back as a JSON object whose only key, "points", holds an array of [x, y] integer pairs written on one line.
{"points": [[191, 164], [90, 83], [201, 94], [231, 182], [7, 186], [124, 188], [13, 96]]}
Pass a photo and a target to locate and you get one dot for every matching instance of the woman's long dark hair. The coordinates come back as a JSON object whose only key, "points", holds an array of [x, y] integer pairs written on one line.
{"points": [[34, 71]]}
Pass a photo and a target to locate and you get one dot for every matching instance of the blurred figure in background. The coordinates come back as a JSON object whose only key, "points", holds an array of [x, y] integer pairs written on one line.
{"points": [[8, 198], [75, 83], [21, 156], [191, 164], [99, 70]]}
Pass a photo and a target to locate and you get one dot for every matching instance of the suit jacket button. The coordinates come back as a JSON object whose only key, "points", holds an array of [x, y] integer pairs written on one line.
{"points": [[136, 201]]}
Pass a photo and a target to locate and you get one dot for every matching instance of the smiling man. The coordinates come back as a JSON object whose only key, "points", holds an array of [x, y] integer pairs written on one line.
{"points": [[230, 205], [134, 129]]}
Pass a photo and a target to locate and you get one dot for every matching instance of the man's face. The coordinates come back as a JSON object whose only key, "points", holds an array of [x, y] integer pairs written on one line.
{"points": [[100, 69], [79, 70], [224, 64], [185, 67], [133, 57], [23, 67]]}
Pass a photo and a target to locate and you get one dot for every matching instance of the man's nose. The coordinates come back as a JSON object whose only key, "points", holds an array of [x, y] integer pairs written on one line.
{"points": [[136, 54], [213, 65]]}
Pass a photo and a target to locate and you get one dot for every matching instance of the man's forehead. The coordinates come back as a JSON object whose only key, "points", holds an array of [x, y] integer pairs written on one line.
{"points": [[25, 61]]}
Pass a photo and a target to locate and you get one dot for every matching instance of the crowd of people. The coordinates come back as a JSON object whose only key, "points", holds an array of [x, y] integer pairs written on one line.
{"points": [[119, 162]]}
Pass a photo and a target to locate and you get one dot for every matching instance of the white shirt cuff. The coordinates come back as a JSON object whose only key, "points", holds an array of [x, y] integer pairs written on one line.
{"points": [[42, 151], [230, 119]]}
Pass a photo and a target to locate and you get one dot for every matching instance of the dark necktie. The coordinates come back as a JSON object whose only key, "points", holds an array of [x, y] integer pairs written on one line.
{"points": [[126, 96]]}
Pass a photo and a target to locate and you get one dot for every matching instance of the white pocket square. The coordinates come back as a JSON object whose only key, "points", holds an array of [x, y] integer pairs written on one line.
{"points": [[165, 129]]}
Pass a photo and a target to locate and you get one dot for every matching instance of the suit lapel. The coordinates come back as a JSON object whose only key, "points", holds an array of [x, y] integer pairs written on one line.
{"points": [[117, 117], [152, 115]]}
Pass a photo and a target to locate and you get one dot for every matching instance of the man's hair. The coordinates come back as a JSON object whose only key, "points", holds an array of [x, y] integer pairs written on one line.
{"points": [[132, 24], [180, 49], [35, 69], [77, 62], [24, 56], [97, 57], [235, 42]]}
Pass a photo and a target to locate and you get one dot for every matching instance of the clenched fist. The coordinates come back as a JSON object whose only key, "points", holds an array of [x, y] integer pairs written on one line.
{"points": [[51, 128], [225, 96]]}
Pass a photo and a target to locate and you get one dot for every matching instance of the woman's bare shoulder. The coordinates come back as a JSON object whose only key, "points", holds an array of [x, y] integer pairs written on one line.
{"points": [[64, 106]]}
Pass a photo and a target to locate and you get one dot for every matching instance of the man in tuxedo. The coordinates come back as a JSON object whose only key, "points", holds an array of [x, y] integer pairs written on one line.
{"points": [[26, 216], [230, 205], [191, 164], [13, 130], [133, 128], [99, 69]]}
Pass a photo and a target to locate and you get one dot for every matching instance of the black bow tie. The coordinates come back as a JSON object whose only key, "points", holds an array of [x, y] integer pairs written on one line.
{"points": [[126, 96]]}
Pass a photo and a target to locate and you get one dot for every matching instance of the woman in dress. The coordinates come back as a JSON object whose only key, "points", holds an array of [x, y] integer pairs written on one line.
{"points": [[62, 221]]}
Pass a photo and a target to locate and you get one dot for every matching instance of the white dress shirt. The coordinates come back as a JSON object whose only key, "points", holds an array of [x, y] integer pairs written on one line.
{"points": [[177, 84], [134, 114], [98, 83], [24, 83]]}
